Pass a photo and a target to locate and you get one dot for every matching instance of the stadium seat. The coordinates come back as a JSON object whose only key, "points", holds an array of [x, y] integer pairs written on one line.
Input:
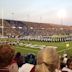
{"points": [[4, 70]]}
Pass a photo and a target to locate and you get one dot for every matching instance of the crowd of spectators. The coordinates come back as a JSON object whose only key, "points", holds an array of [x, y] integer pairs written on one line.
{"points": [[47, 60], [31, 28]]}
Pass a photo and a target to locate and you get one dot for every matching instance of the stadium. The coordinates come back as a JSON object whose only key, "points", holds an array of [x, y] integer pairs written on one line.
{"points": [[35, 35], [30, 37]]}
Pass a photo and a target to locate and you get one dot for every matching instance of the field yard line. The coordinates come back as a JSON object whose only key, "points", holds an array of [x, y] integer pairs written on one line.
{"points": [[28, 49], [64, 50], [37, 50]]}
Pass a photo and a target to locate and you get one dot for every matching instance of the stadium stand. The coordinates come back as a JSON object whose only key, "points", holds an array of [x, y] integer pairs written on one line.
{"points": [[37, 31]]}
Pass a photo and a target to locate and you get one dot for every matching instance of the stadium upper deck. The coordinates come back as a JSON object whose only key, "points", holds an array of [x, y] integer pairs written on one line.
{"points": [[21, 28]]}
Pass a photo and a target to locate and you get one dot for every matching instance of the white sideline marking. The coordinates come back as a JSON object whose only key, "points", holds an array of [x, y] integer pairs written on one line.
{"points": [[64, 50], [27, 49]]}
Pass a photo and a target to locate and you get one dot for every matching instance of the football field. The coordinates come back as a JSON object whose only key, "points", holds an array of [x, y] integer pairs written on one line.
{"points": [[34, 46], [27, 46]]}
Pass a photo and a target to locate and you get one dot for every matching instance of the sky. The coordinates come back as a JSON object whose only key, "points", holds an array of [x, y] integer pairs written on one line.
{"points": [[44, 11]]}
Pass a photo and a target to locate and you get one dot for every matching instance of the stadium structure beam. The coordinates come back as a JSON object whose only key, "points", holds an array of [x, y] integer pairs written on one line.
{"points": [[2, 25]]}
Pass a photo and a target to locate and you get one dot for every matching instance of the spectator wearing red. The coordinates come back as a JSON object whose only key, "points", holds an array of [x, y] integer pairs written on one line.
{"points": [[7, 63]]}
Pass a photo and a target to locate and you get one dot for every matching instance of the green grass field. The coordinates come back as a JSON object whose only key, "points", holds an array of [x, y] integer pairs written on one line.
{"points": [[61, 47], [25, 50]]}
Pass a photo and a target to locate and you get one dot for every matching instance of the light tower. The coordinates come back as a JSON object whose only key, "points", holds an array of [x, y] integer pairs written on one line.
{"points": [[2, 25], [61, 14]]}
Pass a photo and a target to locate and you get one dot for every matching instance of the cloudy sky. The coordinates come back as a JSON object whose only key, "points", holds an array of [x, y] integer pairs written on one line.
{"points": [[45, 11]]}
